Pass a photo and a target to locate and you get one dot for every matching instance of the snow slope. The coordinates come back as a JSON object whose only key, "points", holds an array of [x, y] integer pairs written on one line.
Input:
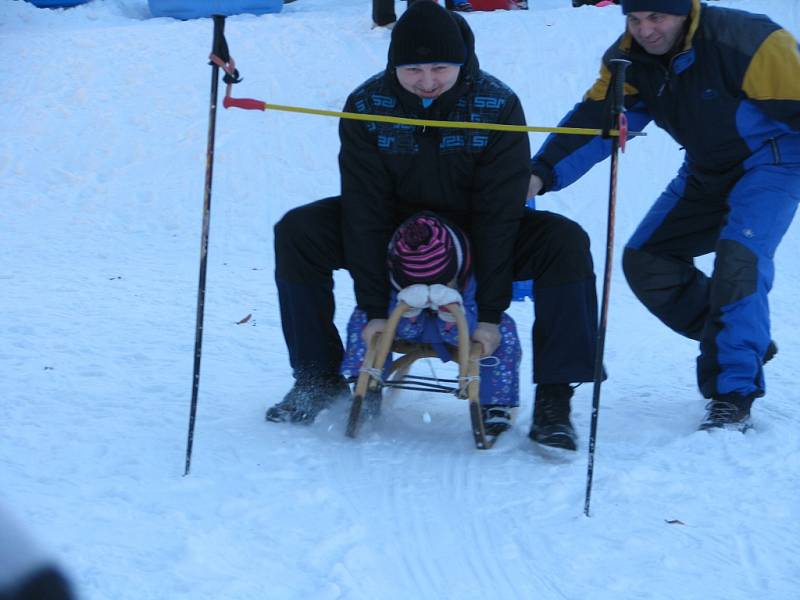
{"points": [[102, 157]]}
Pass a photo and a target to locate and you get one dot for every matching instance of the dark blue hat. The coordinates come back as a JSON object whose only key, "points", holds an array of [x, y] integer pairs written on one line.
{"points": [[670, 7]]}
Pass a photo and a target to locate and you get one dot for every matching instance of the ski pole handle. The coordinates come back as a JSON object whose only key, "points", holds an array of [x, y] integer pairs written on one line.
{"points": [[219, 46], [245, 103], [618, 67]]}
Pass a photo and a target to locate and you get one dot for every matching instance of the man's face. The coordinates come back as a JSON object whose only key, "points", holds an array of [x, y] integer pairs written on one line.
{"points": [[428, 80], [656, 32]]}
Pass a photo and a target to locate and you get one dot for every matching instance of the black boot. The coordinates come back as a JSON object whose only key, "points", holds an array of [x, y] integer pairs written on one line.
{"points": [[728, 411], [551, 425], [307, 398], [772, 350], [383, 14], [497, 418]]}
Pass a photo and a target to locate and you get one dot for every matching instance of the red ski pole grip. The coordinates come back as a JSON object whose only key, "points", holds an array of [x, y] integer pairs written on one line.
{"points": [[245, 103]]}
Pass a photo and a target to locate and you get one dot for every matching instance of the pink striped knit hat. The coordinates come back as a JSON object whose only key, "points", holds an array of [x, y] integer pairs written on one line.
{"points": [[427, 250]]}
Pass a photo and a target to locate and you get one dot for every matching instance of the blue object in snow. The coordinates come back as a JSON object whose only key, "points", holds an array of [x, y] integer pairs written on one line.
{"points": [[523, 289], [57, 3], [197, 9]]}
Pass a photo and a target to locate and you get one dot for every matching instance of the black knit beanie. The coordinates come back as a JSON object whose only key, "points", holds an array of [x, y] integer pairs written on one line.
{"points": [[426, 33], [670, 7]]}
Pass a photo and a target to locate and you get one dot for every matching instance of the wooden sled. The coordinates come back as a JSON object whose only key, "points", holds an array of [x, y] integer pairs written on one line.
{"points": [[368, 391]]}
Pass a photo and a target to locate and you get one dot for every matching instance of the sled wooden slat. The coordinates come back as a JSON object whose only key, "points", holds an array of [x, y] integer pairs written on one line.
{"points": [[370, 379]]}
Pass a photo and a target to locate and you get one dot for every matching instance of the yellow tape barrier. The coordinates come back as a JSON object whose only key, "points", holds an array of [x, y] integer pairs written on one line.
{"points": [[452, 124]]}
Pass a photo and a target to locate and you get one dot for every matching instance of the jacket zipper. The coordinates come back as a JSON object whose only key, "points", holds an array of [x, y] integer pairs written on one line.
{"points": [[663, 83], [667, 83], [776, 153]]}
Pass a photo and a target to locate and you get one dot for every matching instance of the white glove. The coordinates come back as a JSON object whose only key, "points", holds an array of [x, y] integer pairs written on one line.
{"points": [[441, 295], [416, 296]]}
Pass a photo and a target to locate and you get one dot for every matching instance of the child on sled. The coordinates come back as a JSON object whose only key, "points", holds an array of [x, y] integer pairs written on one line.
{"points": [[430, 266]]}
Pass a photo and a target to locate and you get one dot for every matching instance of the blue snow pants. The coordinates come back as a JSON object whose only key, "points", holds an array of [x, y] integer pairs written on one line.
{"points": [[499, 372], [741, 216]]}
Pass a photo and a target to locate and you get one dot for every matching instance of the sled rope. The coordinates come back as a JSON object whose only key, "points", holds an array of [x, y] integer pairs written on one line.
{"points": [[376, 374]]}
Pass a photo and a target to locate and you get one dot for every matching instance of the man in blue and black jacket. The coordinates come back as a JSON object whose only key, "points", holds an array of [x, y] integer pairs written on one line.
{"points": [[725, 84], [476, 179]]}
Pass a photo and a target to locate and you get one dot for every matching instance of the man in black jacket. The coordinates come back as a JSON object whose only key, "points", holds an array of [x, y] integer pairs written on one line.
{"points": [[475, 178], [725, 84]]}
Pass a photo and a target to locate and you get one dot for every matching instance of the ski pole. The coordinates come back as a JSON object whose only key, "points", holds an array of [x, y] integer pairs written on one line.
{"points": [[618, 119], [219, 49]]}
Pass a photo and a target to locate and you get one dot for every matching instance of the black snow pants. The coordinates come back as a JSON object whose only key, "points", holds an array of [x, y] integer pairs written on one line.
{"points": [[550, 249]]}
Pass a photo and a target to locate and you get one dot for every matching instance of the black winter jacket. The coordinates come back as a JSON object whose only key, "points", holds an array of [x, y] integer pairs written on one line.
{"points": [[477, 179]]}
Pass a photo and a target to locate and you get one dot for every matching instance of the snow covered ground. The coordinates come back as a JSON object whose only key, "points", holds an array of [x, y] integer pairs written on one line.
{"points": [[102, 157]]}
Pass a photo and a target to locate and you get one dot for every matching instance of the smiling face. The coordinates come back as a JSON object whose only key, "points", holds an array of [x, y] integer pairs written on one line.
{"points": [[656, 32], [428, 80]]}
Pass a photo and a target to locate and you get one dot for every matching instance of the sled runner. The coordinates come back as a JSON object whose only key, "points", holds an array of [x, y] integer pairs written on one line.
{"points": [[372, 380]]}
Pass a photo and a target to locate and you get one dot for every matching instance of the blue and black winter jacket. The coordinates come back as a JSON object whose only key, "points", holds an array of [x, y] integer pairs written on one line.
{"points": [[474, 178], [733, 88]]}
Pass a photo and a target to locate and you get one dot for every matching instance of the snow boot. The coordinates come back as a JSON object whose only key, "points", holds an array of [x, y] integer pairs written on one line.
{"points": [[496, 418], [307, 398], [728, 411], [551, 408], [772, 350]]}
